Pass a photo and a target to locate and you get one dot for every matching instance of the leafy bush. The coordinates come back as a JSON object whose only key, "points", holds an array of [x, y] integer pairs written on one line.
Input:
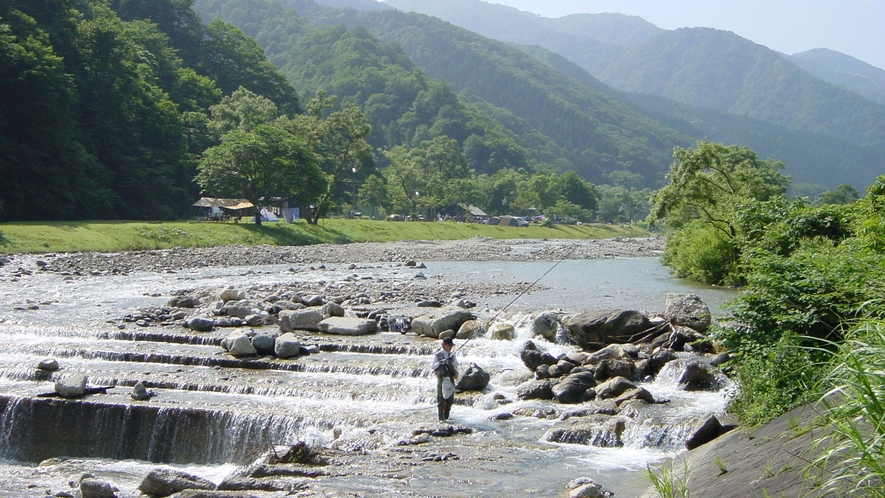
{"points": [[703, 253]]}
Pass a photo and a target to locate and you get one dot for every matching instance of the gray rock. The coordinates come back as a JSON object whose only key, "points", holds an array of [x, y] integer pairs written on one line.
{"points": [[546, 325], [164, 482], [697, 377], [584, 487], [502, 331], [254, 320], [71, 387], [287, 346], [687, 310], [536, 389], [638, 393], [573, 389], [314, 300], [704, 431], [614, 387], [238, 345], [598, 430], [303, 319], [470, 329], [593, 330], [231, 294], [332, 309], [533, 357], [48, 364], [348, 326], [473, 379], [265, 342], [719, 359], [96, 488], [139, 392], [446, 318], [236, 310], [200, 324]]}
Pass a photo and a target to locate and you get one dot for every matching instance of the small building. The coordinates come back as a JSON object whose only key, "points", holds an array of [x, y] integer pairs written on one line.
{"points": [[216, 209]]}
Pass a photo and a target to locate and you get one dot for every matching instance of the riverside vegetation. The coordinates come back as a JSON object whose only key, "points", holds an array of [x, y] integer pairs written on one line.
{"points": [[808, 322]]}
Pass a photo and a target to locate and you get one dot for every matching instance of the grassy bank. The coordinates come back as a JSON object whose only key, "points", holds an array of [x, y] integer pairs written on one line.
{"points": [[38, 237]]}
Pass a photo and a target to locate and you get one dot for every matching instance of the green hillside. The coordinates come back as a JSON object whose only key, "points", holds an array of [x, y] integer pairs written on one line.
{"points": [[844, 71], [599, 135], [697, 66], [808, 158]]}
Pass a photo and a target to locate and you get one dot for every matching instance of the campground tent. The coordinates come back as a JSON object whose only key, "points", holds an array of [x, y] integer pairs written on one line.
{"points": [[266, 217], [212, 207]]}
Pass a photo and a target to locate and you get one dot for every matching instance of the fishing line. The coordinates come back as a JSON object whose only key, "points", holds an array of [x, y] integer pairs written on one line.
{"points": [[527, 288]]}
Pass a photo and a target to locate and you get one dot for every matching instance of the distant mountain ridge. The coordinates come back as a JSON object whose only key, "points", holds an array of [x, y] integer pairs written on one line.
{"points": [[697, 66], [844, 71]]}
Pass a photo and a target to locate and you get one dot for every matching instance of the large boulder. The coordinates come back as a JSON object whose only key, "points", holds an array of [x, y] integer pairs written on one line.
{"points": [[536, 389], [696, 376], [302, 319], [704, 431], [533, 357], [614, 387], [238, 345], [332, 309], [573, 389], [687, 310], [348, 326], [264, 342], [473, 379], [447, 318], [164, 482], [71, 387], [231, 294], [470, 329], [96, 488], [502, 331], [593, 330], [200, 324], [287, 346], [546, 325]]}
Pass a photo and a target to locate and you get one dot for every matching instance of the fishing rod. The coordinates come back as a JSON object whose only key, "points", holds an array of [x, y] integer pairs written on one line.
{"points": [[529, 286]]}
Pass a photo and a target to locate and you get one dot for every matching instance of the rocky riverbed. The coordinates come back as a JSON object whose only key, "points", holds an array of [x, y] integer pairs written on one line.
{"points": [[362, 402], [474, 249]]}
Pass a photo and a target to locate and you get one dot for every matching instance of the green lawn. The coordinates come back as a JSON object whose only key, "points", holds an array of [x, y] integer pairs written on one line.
{"points": [[40, 237]]}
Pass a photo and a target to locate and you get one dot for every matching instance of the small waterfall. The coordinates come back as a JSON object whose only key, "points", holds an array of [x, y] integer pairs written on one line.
{"points": [[33, 429]]}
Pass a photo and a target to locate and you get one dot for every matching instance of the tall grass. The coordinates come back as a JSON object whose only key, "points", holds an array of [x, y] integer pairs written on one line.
{"points": [[854, 453], [668, 482]]}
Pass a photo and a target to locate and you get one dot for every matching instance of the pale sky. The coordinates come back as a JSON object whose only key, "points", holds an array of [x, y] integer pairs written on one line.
{"points": [[853, 27]]}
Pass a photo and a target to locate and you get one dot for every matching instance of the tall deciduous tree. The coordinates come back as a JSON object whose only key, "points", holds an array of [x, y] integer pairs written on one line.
{"points": [[339, 140], [707, 185], [260, 164]]}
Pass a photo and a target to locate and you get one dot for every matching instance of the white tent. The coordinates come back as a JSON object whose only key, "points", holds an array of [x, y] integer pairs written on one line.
{"points": [[266, 217]]}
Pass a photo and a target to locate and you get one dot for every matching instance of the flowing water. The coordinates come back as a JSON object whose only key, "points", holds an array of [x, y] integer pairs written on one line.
{"points": [[360, 395]]}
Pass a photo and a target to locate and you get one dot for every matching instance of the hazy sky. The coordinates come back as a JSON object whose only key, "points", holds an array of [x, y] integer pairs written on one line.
{"points": [[853, 27]]}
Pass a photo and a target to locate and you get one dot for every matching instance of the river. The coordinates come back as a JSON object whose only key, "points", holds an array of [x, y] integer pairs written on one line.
{"points": [[360, 396]]}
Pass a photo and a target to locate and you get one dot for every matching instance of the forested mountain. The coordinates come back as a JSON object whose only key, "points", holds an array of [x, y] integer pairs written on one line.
{"points": [[101, 114], [698, 66], [809, 158], [559, 122], [844, 71]]}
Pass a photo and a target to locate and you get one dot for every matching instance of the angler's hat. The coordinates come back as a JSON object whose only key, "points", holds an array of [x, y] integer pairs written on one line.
{"points": [[448, 340]]}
